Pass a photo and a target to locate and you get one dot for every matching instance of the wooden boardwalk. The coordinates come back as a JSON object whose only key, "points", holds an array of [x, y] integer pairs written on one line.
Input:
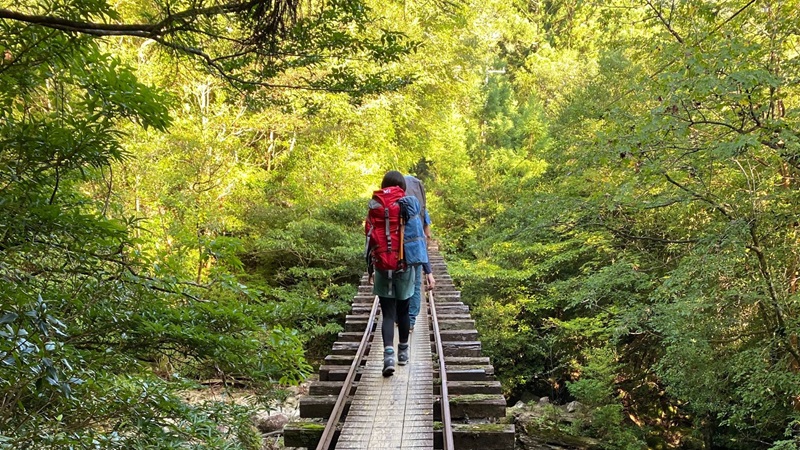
{"points": [[405, 411], [393, 412]]}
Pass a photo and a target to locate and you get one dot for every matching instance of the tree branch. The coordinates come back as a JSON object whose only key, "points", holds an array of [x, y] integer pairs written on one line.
{"points": [[763, 267], [699, 196], [145, 30], [665, 22], [95, 29], [213, 63]]}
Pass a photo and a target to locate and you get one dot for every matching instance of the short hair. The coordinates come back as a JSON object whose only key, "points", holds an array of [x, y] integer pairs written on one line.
{"points": [[393, 178]]}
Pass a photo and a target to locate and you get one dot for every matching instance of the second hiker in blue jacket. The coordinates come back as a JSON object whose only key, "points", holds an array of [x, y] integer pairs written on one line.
{"points": [[414, 187]]}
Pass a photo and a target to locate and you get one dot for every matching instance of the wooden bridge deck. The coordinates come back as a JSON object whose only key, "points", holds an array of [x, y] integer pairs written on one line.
{"points": [[393, 412], [405, 411]]}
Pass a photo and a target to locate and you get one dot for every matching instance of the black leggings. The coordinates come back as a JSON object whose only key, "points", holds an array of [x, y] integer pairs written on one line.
{"points": [[394, 310]]}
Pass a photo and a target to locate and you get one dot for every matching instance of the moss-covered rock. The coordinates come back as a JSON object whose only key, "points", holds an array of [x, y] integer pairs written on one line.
{"points": [[544, 426]]}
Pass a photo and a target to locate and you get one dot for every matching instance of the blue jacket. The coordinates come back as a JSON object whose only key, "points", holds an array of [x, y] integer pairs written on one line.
{"points": [[415, 247]]}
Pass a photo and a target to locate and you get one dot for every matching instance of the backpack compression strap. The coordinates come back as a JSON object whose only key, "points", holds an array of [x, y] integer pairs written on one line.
{"points": [[388, 235], [389, 246]]}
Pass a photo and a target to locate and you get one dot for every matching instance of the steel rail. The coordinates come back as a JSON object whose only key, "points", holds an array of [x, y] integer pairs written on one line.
{"points": [[330, 428], [444, 402]]}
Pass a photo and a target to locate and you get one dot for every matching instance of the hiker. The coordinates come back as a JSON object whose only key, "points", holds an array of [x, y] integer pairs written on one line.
{"points": [[392, 281], [415, 187]]}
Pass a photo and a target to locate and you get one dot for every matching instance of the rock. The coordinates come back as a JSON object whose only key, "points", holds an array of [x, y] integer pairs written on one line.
{"points": [[267, 424], [520, 404], [575, 406], [542, 432], [544, 401]]}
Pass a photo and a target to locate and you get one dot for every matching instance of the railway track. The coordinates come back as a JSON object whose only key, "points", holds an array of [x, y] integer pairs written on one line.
{"points": [[449, 401]]}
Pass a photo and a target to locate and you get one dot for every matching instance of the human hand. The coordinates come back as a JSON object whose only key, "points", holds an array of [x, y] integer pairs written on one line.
{"points": [[431, 282]]}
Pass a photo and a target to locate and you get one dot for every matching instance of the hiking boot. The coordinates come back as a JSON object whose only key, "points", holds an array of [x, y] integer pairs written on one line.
{"points": [[402, 354], [388, 362]]}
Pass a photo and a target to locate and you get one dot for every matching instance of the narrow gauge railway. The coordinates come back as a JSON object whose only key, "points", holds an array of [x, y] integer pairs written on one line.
{"points": [[445, 398]]}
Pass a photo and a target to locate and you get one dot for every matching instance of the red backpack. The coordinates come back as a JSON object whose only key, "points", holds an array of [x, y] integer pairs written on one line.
{"points": [[383, 228]]}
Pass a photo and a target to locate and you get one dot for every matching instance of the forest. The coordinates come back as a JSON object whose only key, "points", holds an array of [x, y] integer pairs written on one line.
{"points": [[614, 185]]}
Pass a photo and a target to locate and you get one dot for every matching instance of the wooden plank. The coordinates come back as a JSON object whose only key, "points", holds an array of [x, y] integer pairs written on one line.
{"points": [[480, 437], [351, 336], [468, 373], [318, 406], [328, 388], [356, 325], [472, 387], [467, 361], [459, 348], [304, 433], [459, 324], [452, 309], [459, 335], [476, 406], [347, 348], [339, 360], [334, 373]]}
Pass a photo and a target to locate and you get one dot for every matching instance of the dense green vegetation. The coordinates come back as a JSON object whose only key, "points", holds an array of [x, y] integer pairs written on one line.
{"points": [[182, 186]]}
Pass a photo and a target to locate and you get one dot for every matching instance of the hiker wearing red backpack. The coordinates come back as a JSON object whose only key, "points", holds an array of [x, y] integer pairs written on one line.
{"points": [[395, 245]]}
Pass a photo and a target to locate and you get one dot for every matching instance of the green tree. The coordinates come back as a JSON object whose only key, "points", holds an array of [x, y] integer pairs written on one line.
{"points": [[119, 289], [669, 148]]}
